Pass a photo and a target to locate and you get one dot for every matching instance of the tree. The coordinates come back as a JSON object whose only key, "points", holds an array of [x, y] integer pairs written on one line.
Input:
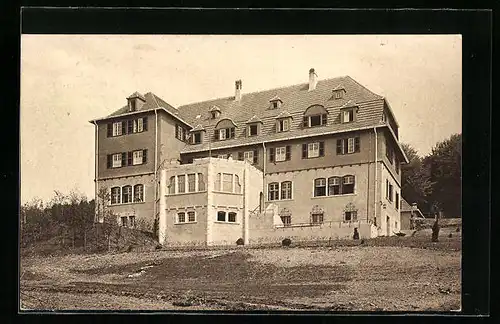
{"points": [[445, 165], [416, 185]]}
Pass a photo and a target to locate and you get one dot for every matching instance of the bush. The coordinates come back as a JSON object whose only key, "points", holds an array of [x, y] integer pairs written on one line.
{"points": [[240, 241], [286, 242]]}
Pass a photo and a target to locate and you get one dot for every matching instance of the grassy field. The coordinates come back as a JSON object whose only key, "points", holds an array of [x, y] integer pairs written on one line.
{"points": [[391, 274]]}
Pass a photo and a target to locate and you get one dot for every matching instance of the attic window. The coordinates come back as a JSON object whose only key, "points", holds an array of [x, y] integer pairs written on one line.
{"points": [[132, 105], [338, 93], [215, 114], [275, 102]]}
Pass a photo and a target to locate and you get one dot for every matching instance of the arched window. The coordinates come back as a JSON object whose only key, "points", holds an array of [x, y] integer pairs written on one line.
{"points": [[171, 185], [319, 187], [139, 193], [126, 194], [273, 191], [348, 184], [115, 195], [225, 129], [334, 186], [315, 115], [286, 190]]}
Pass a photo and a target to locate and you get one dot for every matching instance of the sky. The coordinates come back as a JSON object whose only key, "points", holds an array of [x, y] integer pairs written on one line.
{"points": [[67, 80]]}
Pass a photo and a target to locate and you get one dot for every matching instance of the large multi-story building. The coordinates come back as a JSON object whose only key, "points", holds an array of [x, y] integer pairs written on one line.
{"points": [[308, 161]]}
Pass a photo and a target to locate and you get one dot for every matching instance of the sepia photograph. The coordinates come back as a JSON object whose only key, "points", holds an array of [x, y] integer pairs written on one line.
{"points": [[241, 173]]}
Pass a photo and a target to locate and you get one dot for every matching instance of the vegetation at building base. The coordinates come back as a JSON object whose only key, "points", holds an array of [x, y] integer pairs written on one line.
{"points": [[434, 181], [66, 224]]}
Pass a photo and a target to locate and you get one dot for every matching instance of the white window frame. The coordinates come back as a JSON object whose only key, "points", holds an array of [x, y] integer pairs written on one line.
{"points": [[280, 154], [235, 217], [130, 196], [117, 128], [117, 160], [119, 200], [313, 150], [274, 189], [177, 218], [222, 134], [187, 216], [137, 157], [139, 185], [248, 156], [250, 128], [284, 125], [347, 116], [289, 190], [191, 176], [350, 145], [138, 125], [224, 175]]}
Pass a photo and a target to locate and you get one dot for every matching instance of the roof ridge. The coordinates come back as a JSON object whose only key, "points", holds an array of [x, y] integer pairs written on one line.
{"points": [[265, 90], [373, 93]]}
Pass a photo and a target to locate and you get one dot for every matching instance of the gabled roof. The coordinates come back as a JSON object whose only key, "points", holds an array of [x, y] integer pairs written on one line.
{"points": [[198, 128], [254, 119], [349, 104], [214, 108], [339, 87], [136, 95], [275, 98], [283, 114]]}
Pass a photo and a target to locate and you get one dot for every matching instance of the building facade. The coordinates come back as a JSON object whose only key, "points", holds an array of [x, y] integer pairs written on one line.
{"points": [[308, 161]]}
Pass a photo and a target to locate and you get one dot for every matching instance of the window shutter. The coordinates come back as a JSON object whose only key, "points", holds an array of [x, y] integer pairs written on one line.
{"points": [[144, 156], [305, 121], [216, 134], [110, 129], [177, 131], [145, 123], [304, 151], [231, 130], [241, 156], [323, 119], [356, 144], [339, 146], [124, 159], [271, 154], [109, 161], [288, 153], [255, 156], [321, 148], [124, 127], [130, 126], [130, 158]]}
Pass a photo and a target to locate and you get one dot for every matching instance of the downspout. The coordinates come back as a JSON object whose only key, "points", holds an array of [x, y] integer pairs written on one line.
{"points": [[263, 177], [376, 177], [156, 168], [96, 157]]}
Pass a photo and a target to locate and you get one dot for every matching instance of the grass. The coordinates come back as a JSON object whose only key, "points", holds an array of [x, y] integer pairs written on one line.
{"points": [[387, 273]]}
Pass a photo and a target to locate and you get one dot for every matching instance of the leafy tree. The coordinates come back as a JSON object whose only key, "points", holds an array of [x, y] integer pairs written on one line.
{"points": [[445, 165]]}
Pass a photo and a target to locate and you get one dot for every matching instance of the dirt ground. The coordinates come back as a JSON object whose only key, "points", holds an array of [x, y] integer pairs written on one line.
{"points": [[391, 274]]}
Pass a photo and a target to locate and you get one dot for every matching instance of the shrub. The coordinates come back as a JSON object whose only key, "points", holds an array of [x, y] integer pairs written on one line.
{"points": [[240, 241], [286, 242]]}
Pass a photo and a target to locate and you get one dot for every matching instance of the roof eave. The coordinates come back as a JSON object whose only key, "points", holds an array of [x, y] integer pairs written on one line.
{"points": [[139, 112]]}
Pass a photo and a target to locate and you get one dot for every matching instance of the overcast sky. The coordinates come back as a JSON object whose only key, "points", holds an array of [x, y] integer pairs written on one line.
{"points": [[68, 80]]}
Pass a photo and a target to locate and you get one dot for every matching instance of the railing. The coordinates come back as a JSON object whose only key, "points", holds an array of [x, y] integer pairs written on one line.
{"points": [[328, 224]]}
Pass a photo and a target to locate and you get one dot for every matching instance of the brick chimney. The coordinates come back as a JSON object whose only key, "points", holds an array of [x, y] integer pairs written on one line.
{"points": [[237, 94], [312, 79]]}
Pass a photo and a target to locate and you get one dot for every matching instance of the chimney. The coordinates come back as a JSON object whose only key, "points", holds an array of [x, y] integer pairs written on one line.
{"points": [[312, 79], [237, 94]]}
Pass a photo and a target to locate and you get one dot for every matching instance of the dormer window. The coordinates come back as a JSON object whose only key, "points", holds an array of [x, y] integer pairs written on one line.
{"points": [[348, 112], [197, 134], [214, 112], [348, 116], [133, 105], [197, 138], [225, 129], [254, 125], [315, 116], [275, 102], [135, 101], [338, 92], [283, 125], [253, 130]]}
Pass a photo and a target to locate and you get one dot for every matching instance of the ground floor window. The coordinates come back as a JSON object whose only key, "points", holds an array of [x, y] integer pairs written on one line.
{"points": [[221, 216], [181, 217], [286, 216], [350, 216], [191, 216], [317, 215], [124, 220], [231, 217], [131, 221]]}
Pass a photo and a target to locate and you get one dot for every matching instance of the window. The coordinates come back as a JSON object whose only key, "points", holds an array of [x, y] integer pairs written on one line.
{"points": [[339, 94], [283, 125], [137, 157], [138, 125], [389, 153], [388, 193], [191, 216], [217, 182], [275, 104], [237, 185], [224, 133], [181, 217], [320, 187], [396, 164], [117, 160], [138, 193], [215, 114], [314, 120], [348, 116], [131, 221], [350, 216], [124, 221], [126, 194], [333, 186], [221, 216], [227, 182], [171, 186], [248, 156], [222, 156], [179, 133], [280, 154], [348, 185], [286, 216], [348, 145], [274, 191], [181, 183], [201, 182], [317, 217], [132, 105], [117, 128], [197, 138], [286, 190], [253, 130], [231, 217], [397, 200], [191, 182], [115, 195]]}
